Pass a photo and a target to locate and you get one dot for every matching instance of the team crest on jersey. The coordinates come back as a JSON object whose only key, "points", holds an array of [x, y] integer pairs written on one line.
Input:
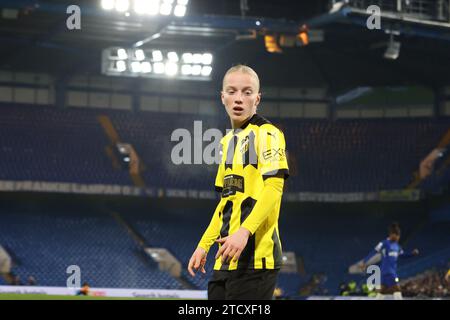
{"points": [[244, 145]]}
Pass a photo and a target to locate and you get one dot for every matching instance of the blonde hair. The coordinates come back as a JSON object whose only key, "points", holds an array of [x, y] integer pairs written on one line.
{"points": [[244, 69]]}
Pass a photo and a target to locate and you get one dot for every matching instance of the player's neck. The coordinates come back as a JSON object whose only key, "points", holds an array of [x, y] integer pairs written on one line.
{"points": [[240, 124]]}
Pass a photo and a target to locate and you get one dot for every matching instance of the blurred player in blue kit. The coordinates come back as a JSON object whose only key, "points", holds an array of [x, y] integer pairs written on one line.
{"points": [[390, 251]]}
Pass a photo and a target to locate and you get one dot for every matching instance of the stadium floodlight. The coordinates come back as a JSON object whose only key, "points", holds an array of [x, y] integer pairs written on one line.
{"points": [[186, 69], [159, 68], [207, 58], [157, 55], [196, 70], [136, 67], [172, 56], [166, 7], [139, 54], [146, 67], [122, 5], [197, 58], [122, 54], [108, 4], [153, 7], [121, 66], [171, 68], [187, 57], [157, 63], [147, 7], [206, 71], [179, 11], [141, 6]]}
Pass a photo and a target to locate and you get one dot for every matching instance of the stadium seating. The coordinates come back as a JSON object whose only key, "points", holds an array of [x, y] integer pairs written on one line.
{"points": [[359, 155], [50, 144], [329, 242], [67, 145], [179, 233], [429, 283], [46, 244], [433, 242], [181, 238], [150, 133], [439, 180], [325, 248], [291, 283]]}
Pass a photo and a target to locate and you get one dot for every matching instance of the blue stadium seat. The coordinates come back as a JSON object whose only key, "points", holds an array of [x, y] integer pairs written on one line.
{"points": [[67, 145], [45, 244]]}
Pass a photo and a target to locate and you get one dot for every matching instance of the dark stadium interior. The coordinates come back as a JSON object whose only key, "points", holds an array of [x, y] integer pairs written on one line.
{"points": [[38, 42], [358, 127]]}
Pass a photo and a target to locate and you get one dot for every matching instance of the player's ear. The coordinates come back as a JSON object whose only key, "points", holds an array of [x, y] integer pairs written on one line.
{"points": [[222, 97], [258, 99]]}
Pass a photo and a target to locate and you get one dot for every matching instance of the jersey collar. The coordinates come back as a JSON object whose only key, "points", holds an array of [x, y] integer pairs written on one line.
{"points": [[246, 123]]}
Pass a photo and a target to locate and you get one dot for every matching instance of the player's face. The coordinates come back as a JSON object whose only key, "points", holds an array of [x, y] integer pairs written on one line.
{"points": [[240, 97], [394, 237]]}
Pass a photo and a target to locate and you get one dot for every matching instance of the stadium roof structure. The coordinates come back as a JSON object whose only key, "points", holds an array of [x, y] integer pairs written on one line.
{"points": [[342, 53]]}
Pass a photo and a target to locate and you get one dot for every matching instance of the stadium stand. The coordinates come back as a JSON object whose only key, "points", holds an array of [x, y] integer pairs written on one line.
{"points": [[329, 243], [50, 144], [353, 156], [291, 283], [352, 236], [45, 244], [67, 145], [430, 283], [108, 257], [159, 230]]}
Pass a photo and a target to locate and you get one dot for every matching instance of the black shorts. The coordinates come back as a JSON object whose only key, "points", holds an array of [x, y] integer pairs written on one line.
{"points": [[242, 284]]}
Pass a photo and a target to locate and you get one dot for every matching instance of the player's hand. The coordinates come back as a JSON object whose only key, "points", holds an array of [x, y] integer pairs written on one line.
{"points": [[415, 252], [197, 261], [233, 245]]}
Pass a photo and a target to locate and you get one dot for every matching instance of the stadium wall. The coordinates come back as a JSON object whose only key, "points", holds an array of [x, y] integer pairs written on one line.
{"points": [[203, 98]]}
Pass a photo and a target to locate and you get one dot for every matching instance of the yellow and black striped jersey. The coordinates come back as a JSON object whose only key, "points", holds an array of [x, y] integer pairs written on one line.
{"points": [[250, 155]]}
